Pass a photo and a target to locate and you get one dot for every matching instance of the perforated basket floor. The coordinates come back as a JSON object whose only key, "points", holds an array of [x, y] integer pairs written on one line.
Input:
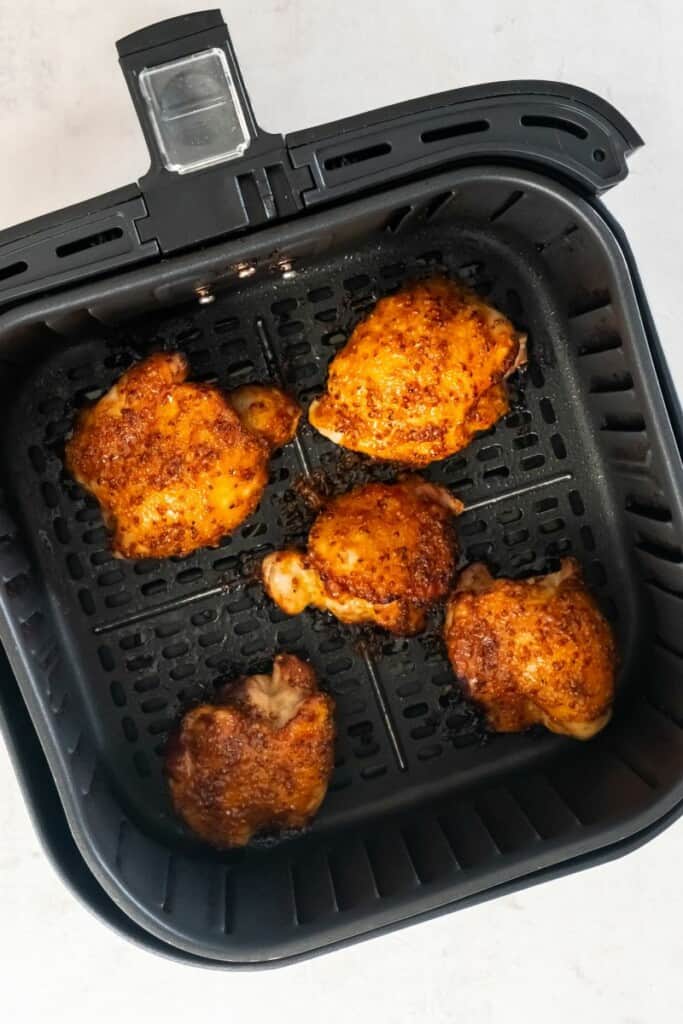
{"points": [[424, 808], [153, 637]]}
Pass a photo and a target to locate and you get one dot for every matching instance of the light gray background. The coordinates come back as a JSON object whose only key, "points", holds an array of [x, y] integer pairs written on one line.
{"points": [[605, 945]]}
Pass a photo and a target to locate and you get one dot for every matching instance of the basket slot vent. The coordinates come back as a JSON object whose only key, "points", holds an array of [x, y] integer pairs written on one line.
{"points": [[672, 652], [169, 885], [321, 294], [557, 124], [664, 695], [650, 743], [507, 205], [673, 646], [391, 864], [664, 692], [89, 242], [454, 131], [219, 899], [530, 462], [647, 508], [665, 552], [313, 888], [544, 807], [471, 842], [429, 850], [226, 325], [546, 505], [597, 786], [352, 876], [624, 440], [558, 446], [529, 440], [473, 528], [356, 156], [590, 303], [628, 423], [397, 219], [507, 516], [137, 859], [13, 270], [263, 896], [600, 344], [607, 385], [618, 406], [632, 761], [435, 207]]}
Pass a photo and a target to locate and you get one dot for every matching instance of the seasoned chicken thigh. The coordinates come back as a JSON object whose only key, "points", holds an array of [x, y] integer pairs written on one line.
{"points": [[383, 553], [421, 375], [533, 651], [176, 465], [260, 758]]}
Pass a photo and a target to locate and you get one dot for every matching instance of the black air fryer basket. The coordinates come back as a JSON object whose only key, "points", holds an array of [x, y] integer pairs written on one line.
{"points": [[256, 255]]}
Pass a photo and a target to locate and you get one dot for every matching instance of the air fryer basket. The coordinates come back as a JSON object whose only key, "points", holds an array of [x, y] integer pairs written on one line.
{"points": [[423, 811]]}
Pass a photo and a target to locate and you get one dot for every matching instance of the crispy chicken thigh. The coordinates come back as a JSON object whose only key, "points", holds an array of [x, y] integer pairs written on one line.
{"points": [[421, 375], [533, 651], [258, 759], [176, 465], [383, 553]]}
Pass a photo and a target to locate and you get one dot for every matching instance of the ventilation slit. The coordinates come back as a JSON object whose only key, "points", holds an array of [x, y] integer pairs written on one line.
{"points": [[89, 242], [356, 156], [13, 270], [511, 201], [666, 552], [608, 385], [454, 131], [628, 423], [397, 218], [647, 509], [559, 124]]}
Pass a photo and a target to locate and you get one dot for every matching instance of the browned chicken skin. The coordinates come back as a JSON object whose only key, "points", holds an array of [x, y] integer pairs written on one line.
{"points": [[383, 553], [258, 759], [176, 465], [421, 375], [533, 651]]}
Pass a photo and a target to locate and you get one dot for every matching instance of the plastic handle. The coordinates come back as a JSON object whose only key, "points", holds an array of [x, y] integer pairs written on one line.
{"points": [[213, 171], [174, 58]]}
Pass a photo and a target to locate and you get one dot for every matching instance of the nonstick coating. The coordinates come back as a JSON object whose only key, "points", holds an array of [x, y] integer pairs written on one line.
{"points": [[151, 638]]}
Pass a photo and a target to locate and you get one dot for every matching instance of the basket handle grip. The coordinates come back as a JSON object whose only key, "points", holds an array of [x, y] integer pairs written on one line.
{"points": [[213, 170], [175, 57]]}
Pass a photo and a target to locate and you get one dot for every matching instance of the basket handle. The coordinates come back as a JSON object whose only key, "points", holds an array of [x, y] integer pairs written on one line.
{"points": [[213, 170]]}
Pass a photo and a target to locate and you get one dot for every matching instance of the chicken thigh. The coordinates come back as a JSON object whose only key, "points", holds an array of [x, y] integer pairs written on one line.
{"points": [[533, 651], [259, 758], [382, 553], [176, 465], [421, 375]]}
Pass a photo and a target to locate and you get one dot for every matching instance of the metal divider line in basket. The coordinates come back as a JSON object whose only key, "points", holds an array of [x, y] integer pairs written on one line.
{"points": [[199, 595], [271, 360]]}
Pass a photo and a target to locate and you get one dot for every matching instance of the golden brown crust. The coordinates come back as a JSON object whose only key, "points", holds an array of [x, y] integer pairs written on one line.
{"points": [[533, 651], [420, 375], [293, 584], [384, 542], [382, 553], [260, 759], [267, 412], [170, 462]]}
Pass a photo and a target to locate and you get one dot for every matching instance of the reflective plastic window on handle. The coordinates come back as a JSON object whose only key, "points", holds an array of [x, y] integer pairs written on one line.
{"points": [[195, 111]]}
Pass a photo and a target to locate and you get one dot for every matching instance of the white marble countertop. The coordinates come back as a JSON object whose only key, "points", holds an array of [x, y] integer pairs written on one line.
{"points": [[603, 945]]}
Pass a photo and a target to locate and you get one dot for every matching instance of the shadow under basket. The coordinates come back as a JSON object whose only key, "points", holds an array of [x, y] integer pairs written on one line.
{"points": [[424, 811]]}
